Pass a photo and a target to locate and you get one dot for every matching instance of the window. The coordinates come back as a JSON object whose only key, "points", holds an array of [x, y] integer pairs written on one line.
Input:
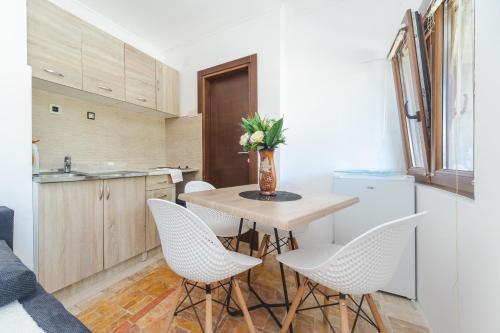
{"points": [[458, 116], [441, 78], [409, 62]]}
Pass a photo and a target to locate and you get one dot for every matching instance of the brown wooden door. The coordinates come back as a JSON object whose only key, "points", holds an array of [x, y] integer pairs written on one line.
{"points": [[227, 93]]}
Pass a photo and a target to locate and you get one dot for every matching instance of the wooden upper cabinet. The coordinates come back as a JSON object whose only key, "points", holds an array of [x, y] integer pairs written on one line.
{"points": [[140, 81], [54, 44], [70, 233], [124, 219], [103, 63], [167, 89]]}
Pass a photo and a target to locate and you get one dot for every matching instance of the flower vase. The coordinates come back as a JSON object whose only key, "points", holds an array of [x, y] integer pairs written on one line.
{"points": [[267, 172]]}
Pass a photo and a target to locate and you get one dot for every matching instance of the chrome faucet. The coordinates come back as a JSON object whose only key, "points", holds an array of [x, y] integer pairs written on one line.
{"points": [[67, 164]]}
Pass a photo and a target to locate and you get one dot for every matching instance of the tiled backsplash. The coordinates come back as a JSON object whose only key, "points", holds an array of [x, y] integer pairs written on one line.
{"points": [[115, 135], [185, 143]]}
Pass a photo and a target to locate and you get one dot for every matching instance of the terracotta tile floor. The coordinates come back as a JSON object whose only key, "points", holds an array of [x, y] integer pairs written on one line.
{"points": [[145, 302]]}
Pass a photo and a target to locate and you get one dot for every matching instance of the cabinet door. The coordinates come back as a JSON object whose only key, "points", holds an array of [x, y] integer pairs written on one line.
{"points": [[70, 235], [167, 89], [140, 80], [103, 63], [152, 237], [124, 219], [54, 44]]}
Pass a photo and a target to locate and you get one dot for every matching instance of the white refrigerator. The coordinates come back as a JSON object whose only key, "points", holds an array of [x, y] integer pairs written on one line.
{"points": [[384, 196]]}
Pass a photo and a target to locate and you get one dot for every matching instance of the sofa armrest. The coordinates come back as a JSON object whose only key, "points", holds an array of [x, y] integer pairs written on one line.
{"points": [[7, 225]]}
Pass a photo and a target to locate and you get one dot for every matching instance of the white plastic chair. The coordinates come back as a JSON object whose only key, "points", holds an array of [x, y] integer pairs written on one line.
{"points": [[193, 251], [361, 267], [222, 224]]}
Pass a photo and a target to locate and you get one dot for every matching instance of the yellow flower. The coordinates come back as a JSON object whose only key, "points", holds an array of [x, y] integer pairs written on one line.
{"points": [[257, 137], [244, 139]]}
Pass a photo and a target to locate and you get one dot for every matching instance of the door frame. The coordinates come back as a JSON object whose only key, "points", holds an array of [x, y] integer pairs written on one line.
{"points": [[204, 76]]}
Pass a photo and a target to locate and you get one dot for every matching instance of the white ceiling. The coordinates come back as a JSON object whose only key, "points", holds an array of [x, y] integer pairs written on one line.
{"points": [[170, 23], [166, 24]]}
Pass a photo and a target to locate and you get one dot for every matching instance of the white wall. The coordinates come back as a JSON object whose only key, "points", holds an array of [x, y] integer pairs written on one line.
{"points": [[15, 126], [259, 35], [459, 243], [338, 96], [339, 105]]}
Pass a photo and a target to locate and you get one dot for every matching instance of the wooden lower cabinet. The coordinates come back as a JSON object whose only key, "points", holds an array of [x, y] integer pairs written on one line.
{"points": [[152, 237], [85, 227], [124, 219], [70, 233]]}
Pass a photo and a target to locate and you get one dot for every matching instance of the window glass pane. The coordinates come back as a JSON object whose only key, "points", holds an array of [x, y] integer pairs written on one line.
{"points": [[458, 108], [414, 130]]}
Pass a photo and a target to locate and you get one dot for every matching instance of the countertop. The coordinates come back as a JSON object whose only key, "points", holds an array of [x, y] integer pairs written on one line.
{"points": [[59, 176]]}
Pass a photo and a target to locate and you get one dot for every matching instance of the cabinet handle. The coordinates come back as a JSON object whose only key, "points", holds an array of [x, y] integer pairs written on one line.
{"points": [[53, 72], [105, 88], [141, 99], [164, 197], [101, 192], [108, 192]]}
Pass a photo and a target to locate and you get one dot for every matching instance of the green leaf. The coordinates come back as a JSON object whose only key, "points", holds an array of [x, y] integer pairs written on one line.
{"points": [[247, 125], [257, 123], [274, 134]]}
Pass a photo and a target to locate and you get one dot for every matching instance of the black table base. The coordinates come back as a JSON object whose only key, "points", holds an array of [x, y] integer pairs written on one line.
{"points": [[263, 304]]}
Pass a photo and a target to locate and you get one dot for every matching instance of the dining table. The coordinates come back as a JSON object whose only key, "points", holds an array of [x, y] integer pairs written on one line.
{"points": [[307, 206]]}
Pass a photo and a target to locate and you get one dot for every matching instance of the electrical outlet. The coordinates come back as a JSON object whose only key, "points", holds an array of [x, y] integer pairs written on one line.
{"points": [[90, 115], [55, 109]]}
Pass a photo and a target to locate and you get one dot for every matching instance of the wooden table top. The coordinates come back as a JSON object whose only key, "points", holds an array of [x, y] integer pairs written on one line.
{"points": [[282, 215]]}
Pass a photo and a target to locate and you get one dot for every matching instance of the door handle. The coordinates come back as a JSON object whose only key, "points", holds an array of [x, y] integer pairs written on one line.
{"points": [[53, 72], [242, 153], [416, 116], [108, 89]]}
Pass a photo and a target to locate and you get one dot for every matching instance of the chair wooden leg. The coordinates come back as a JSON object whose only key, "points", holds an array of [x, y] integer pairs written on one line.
{"points": [[292, 244], [344, 318], [326, 300], [243, 306], [375, 313], [294, 306], [263, 247], [208, 310]]}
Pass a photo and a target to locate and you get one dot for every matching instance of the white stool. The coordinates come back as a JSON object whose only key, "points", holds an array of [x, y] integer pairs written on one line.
{"points": [[192, 250], [363, 266]]}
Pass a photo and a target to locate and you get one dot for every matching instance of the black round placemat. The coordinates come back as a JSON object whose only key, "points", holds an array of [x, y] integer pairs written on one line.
{"points": [[280, 196]]}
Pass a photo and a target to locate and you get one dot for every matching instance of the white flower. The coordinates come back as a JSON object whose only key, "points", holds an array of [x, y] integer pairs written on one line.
{"points": [[257, 137], [244, 139]]}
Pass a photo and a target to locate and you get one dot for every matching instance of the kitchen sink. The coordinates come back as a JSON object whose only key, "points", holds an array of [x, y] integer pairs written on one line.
{"points": [[60, 176]]}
